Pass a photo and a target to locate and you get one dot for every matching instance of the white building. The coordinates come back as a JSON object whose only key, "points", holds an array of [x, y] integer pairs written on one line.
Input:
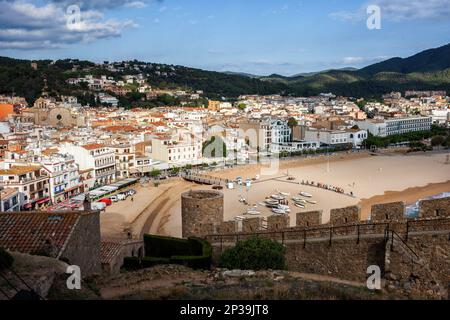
{"points": [[64, 178], [384, 128], [327, 137], [94, 156], [295, 146], [177, 153], [281, 132]]}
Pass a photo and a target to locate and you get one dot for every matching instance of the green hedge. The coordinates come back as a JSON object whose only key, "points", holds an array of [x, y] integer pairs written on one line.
{"points": [[132, 263], [165, 247], [6, 260], [254, 254], [149, 262], [194, 253]]}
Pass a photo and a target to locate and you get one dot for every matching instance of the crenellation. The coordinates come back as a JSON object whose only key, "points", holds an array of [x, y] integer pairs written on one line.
{"points": [[343, 216], [434, 208], [228, 227], [278, 222], [309, 219], [252, 225]]}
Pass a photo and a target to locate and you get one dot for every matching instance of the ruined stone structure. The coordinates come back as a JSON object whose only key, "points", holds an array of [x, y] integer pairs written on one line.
{"points": [[413, 253], [201, 212]]}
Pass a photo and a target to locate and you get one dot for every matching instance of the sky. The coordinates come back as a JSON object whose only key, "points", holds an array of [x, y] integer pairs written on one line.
{"points": [[260, 37]]}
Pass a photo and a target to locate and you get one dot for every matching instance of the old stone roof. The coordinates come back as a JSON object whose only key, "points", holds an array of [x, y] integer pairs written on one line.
{"points": [[42, 233], [108, 251], [18, 170]]}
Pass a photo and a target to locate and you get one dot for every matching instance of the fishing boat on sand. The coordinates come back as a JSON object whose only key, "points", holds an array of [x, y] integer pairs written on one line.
{"points": [[306, 194], [277, 197], [278, 211]]}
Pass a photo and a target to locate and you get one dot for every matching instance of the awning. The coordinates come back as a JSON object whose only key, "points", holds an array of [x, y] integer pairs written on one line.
{"points": [[43, 200]]}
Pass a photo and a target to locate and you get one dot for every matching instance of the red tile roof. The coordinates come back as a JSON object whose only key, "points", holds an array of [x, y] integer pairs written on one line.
{"points": [[32, 232], [93, 146]]}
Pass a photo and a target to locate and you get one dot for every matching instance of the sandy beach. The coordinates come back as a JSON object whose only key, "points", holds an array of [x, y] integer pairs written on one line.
{"points": [[372, 179]]}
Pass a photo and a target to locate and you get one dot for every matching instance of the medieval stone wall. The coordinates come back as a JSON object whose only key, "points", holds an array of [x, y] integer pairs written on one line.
{"points": [[83, 247]]}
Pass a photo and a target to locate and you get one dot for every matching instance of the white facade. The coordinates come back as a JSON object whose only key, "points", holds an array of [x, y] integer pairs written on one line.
{"points": [[396, 126], [94, 156], [64, 178]]}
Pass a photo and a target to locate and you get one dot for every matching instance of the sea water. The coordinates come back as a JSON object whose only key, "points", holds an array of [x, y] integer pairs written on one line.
{"points": [[412, 211]]}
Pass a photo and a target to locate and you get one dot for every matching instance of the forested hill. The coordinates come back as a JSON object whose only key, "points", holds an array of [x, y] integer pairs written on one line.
{"points": [[428, 70]]}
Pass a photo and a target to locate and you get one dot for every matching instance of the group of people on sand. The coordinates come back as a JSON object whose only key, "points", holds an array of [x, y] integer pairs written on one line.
{"points": [[324, 186]]}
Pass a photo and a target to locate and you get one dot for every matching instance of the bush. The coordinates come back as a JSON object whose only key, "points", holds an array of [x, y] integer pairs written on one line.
{"points": [[254, 254], [132, 263], [437, 141], [6, 260]]}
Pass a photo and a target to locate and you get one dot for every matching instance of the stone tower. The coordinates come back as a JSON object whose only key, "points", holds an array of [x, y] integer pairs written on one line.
{"points": [[199, 211]]}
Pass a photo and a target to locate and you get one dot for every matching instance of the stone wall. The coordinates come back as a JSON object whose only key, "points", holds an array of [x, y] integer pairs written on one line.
{"points": [[426, 275], [344, 259], [228, 227], [309, 219], [348, 215], [252, 225], [278, 222], [201, 212], [435, 208], [394, 211], [83, 247]]}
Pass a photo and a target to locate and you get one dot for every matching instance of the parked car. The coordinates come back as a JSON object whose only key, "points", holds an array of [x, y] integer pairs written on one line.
{"points": [[106, 201], [131, 192], [122, 196], [98, 206], [114, 198]]}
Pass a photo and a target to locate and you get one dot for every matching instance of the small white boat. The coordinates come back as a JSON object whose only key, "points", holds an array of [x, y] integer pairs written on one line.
{"points": [[306, 194], [285, 194], [283, 207], [277, 197], [278, 211], [253, 213], [299, 205], [273, 202], [300, 201], [311, 201]]}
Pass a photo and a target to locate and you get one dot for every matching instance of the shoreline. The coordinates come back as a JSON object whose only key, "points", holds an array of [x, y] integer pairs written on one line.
{"points": [[409, 196]]}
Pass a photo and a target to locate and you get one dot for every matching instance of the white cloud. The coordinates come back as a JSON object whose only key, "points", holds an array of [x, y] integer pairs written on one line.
{"points": [[135, 4], [24, 25], [357, 61], [400, 10]]}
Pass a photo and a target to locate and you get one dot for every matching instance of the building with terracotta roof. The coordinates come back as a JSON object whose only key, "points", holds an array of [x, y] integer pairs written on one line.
{"points": [[9, 200], [32, 182], [94, 156], [73, 237]]}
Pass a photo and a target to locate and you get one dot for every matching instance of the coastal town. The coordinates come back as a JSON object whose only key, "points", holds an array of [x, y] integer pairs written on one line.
{"points": [[57, 149]]}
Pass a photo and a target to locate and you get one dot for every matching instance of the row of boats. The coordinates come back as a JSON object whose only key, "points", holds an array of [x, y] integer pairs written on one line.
{"points": [[278, 203], [274, 200]]}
